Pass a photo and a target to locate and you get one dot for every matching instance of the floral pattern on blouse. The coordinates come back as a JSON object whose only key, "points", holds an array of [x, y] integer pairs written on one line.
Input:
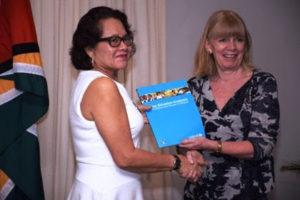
{"points": [[251, 114]]}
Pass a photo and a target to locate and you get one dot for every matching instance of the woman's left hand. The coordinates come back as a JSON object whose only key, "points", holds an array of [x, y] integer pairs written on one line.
{"points": [[142, 109]]}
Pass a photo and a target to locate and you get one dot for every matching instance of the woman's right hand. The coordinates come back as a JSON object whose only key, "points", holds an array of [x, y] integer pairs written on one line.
{"points": [[198, 143]]}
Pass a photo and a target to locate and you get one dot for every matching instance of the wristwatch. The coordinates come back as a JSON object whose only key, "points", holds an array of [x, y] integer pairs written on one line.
{"points": [[177, 163], [219, 147]]}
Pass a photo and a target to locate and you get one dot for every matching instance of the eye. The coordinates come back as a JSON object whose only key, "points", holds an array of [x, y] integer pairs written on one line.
{"points": [[239, 39], [128, 39], [115, 39], [222, 40]]}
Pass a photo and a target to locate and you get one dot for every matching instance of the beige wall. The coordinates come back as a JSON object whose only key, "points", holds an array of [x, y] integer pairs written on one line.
{"points": [[275, 29]]}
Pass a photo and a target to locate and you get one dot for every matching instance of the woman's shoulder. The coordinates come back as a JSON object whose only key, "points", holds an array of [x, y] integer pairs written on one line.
{"points": [[103, 83], [196, 85], [264, 80], [262, 76]]}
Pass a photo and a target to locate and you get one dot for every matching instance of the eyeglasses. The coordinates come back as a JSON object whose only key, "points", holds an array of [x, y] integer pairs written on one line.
{"points": [[115, 41]]}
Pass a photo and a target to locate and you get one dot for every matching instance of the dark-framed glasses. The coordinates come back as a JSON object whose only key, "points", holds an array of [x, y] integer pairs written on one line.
{"points": [[115, 41]]}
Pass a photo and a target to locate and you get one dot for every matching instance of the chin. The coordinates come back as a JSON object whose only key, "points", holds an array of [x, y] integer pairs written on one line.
{"points": [[122, 66], [121, 63]]}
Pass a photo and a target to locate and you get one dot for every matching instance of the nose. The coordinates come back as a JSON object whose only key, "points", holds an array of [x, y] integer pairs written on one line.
{"points": [[232, 44], [123, 45]]}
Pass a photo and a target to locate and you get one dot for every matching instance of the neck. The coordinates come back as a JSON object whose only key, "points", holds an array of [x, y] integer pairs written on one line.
{"points": [[230, 75]]}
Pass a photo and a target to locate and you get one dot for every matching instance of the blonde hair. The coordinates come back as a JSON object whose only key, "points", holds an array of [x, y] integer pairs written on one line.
{"points": [[222, 23]]}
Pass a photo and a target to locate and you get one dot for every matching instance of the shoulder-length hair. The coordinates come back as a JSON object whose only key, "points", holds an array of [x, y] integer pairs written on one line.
{"points": [[222, 23], [88, 32]]}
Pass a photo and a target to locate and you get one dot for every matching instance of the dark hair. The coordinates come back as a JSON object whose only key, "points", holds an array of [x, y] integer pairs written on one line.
{"points": [[88, 31]]}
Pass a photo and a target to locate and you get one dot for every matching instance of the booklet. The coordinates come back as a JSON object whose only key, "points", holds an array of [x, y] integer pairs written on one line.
{"points": [[174, 115]]}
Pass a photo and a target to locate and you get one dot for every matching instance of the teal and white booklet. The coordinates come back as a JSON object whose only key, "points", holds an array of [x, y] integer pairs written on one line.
{"points": [[174, 115]]}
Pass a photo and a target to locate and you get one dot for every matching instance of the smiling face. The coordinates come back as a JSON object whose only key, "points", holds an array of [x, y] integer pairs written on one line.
{"points": [[109, 59], [225, 45], [228, 51]]}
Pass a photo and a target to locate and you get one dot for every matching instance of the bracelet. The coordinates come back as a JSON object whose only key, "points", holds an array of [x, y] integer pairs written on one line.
{"points": [[219, 147], [177, 163]]}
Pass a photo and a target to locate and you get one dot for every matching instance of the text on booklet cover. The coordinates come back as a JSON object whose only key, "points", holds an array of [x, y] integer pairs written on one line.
{"points": [[174, 115]]}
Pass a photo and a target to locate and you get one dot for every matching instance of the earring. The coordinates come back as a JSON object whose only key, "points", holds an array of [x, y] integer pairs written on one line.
{"points": [[93, 61]]}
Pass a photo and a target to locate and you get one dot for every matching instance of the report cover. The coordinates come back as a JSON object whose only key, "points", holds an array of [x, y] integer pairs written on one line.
{"points": [[174, 115]]}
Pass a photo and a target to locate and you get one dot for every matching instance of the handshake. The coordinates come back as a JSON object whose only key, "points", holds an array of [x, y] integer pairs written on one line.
{"points": [[191, 161], [191, 165]]}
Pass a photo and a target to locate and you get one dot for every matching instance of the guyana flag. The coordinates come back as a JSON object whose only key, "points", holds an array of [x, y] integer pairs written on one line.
{"points": [[23, 101]]}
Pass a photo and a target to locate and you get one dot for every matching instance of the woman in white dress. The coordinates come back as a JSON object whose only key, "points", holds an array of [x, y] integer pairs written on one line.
{"points": [[105, 123]]}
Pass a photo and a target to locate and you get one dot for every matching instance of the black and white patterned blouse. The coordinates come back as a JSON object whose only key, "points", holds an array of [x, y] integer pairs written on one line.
{"points": [[251, 114]]}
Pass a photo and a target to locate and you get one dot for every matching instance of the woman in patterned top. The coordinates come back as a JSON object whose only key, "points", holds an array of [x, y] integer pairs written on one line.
{"points": [[240, 111]]}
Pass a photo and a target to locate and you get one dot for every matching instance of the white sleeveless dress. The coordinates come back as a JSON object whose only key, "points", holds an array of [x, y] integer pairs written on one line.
{"points": [[97, 175]]}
